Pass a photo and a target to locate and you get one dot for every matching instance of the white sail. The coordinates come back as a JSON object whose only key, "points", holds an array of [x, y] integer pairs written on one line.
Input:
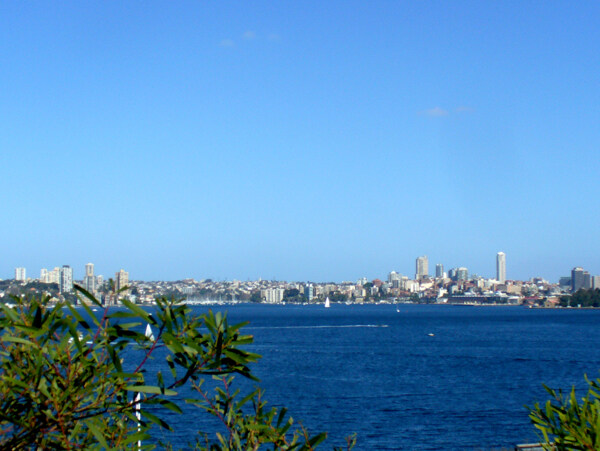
{"points": [[149, 333], [327, 303]]}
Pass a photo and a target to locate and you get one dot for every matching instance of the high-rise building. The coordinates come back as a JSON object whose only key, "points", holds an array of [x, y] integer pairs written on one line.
{"points": [[89, 281], [439, 271], [564, 282], [309, 292], [501, 267], [66, 279], [394, 276], [121, 280], [422, 268], [587, 280], [577, 278], [462, 273], [44, 275], [54, 275], [273, 295], [20, 275]]}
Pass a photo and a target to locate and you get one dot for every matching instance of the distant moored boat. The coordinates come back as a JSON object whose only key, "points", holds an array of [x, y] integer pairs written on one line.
{"points": [[327, 303]]}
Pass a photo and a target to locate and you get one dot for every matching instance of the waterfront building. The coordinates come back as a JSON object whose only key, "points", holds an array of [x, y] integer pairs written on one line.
{"points": [[309, 292], [20, 275], [121, 281], [89, 281], [580, 279], [439, 271], [44, 275], [273, 295], [422, 268], [596, 282], [501, 267], [66, 279]]}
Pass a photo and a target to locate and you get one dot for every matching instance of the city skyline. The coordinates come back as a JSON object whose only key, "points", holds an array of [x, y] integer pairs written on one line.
{"points": [[578, 276], [288, 141]]}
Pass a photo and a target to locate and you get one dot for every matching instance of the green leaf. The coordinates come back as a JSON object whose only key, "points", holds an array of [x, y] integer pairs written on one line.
{"points": [[78, 316], [156, 420], [87, 294], [136, 309], [170, 405], [97, 434], [149, 389], [18, 340]]}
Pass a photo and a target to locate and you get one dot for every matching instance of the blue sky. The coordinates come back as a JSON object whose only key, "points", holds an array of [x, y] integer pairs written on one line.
{"points": [[299, 140]]}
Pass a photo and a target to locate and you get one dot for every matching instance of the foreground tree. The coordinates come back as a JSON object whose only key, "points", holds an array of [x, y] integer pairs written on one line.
{"points": [[70, 380], [566, 423]]}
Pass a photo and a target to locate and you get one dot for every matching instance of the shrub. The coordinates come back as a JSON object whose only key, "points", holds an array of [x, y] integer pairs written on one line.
{"points": [[64, 385], [565, 423]]}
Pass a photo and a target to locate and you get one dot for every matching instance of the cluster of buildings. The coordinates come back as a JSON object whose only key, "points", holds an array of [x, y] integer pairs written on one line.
{"points": [[461, 273], [455, 285], [580, 279], [63, 277]]}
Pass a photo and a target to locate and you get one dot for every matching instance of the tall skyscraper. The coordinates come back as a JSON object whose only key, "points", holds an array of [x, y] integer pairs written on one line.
{"points": [[587, 280], [54, 275], [121, 280], [89, 281], [580, 279], [577, 278], [20, 275], [501, 267], [66, 279], [462, 273], [309, 292], [439, 271], [393, 276], [422, 268]]}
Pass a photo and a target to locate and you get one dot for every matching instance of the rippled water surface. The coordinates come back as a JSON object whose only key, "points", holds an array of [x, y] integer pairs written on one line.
{"points": [[379, 372]]}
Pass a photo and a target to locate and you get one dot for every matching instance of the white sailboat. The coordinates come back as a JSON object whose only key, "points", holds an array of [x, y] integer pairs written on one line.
{"points": [[149, 333], [327, 305]]}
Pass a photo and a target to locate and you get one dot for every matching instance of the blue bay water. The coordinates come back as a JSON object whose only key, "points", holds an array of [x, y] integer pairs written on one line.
{"points": [[377, 372]]}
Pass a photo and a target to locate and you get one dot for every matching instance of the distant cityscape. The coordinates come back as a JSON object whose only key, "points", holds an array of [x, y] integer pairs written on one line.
{"points": [[454, 286]]}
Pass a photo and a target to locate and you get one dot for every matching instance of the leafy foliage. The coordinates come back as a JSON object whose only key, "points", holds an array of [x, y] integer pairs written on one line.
{"points": [[64, 385], [582, 297], [564, 423]]}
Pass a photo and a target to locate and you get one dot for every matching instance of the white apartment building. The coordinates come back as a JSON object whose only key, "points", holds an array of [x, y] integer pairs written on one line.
{"points": [[501, 267], [20, 275]]}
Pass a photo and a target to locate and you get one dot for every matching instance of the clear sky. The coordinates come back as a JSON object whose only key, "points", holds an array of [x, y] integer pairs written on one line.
{"points": [[312, 140]]}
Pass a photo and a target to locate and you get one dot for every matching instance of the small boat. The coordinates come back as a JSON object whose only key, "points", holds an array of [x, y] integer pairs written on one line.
{"points": [[431, 335], [327, 305]]}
